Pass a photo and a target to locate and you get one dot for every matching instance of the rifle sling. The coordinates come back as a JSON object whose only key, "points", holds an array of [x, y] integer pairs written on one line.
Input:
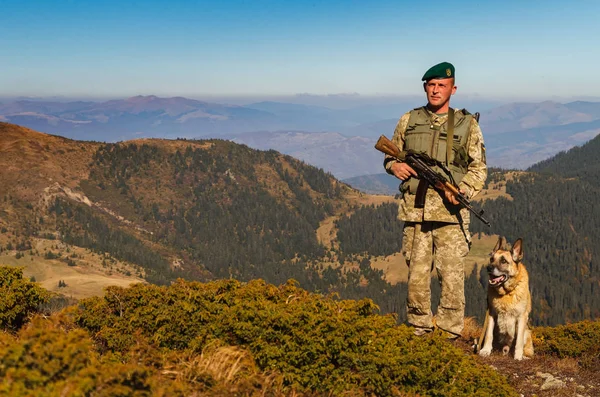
{"points": [[450, 135]]}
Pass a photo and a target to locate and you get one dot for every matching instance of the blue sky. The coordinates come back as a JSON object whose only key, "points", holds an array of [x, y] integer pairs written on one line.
{"points": [[509, 49]]}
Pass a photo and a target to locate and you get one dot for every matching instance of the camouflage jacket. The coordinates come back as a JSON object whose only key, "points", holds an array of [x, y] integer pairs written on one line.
{"points": [[436, 207]]}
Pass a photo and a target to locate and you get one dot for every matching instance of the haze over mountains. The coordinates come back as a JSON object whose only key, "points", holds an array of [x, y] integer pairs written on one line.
{"points": [[338, 139]]}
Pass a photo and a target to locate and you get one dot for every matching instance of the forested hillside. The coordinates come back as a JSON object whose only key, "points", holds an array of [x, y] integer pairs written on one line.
{"points": [[556, 211], [203, 209], [159, 210], [582, 162], [235, 211]]}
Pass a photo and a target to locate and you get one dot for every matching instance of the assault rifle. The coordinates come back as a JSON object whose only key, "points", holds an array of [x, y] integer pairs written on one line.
{"points": [[422, 164]]}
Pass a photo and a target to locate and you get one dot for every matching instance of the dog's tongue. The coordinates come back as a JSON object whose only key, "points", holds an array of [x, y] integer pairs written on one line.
{"points": [[496, 279]]}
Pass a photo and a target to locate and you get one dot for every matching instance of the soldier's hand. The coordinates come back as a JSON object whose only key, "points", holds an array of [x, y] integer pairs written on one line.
{"points": [[450, 197], [403, 171]]}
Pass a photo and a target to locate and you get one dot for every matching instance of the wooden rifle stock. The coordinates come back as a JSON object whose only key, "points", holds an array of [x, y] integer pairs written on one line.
{"points": [[386, 146]]}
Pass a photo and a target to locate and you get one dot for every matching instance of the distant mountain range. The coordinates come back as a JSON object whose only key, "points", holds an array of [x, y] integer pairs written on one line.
{"points": [[340, 155], [140, 116], [382, 183], [340, 141], [151, 116]]}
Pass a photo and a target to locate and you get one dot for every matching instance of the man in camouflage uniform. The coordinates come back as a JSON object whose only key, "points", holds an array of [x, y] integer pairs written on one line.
{"points": [[438, 232]]}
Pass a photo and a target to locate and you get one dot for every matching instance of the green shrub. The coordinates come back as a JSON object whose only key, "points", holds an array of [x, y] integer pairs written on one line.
{"points": [[52, 357], [42, 356], [51, 255], [318, 344], [20, 298], [578, 340]]}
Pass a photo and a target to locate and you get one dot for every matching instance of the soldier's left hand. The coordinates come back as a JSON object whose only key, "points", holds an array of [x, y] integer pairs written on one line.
{"points": [[450, 197]]}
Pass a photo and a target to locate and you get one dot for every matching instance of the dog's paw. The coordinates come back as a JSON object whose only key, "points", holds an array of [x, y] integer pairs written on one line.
{"points": [[485, 352], [518, 357]]}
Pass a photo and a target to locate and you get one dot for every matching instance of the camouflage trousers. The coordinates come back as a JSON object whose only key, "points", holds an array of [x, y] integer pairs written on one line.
{"points": [[445, 245]]}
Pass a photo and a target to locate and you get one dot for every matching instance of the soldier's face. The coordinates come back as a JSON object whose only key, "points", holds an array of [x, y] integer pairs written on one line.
{"points": [[439, 91]]}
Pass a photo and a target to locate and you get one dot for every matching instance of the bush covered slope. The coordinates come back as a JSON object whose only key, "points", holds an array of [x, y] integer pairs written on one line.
{"points": [[230, 337]]}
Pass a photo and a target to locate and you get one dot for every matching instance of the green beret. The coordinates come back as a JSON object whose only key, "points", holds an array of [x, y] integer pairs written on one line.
{"points": [[442, 70]]}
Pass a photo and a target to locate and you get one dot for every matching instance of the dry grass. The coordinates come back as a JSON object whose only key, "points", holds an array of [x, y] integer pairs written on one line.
{"points": [[227, 364], [327, 233], [32, 160], [393, 266], [359, 198], [87, 278], [494, 191], [234, 369], [567, 365], [471, 329], [170, 145]]}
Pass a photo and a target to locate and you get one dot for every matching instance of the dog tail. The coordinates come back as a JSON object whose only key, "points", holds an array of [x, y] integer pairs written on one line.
{"points": [[479, 342], [528, 348]]}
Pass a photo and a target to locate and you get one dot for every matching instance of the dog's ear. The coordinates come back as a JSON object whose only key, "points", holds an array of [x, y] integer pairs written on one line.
{"points": [[501, 244], [517, 250]]}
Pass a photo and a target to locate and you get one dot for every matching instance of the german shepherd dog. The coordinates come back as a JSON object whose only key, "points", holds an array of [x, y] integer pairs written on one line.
{"points": [[509, 303]]}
